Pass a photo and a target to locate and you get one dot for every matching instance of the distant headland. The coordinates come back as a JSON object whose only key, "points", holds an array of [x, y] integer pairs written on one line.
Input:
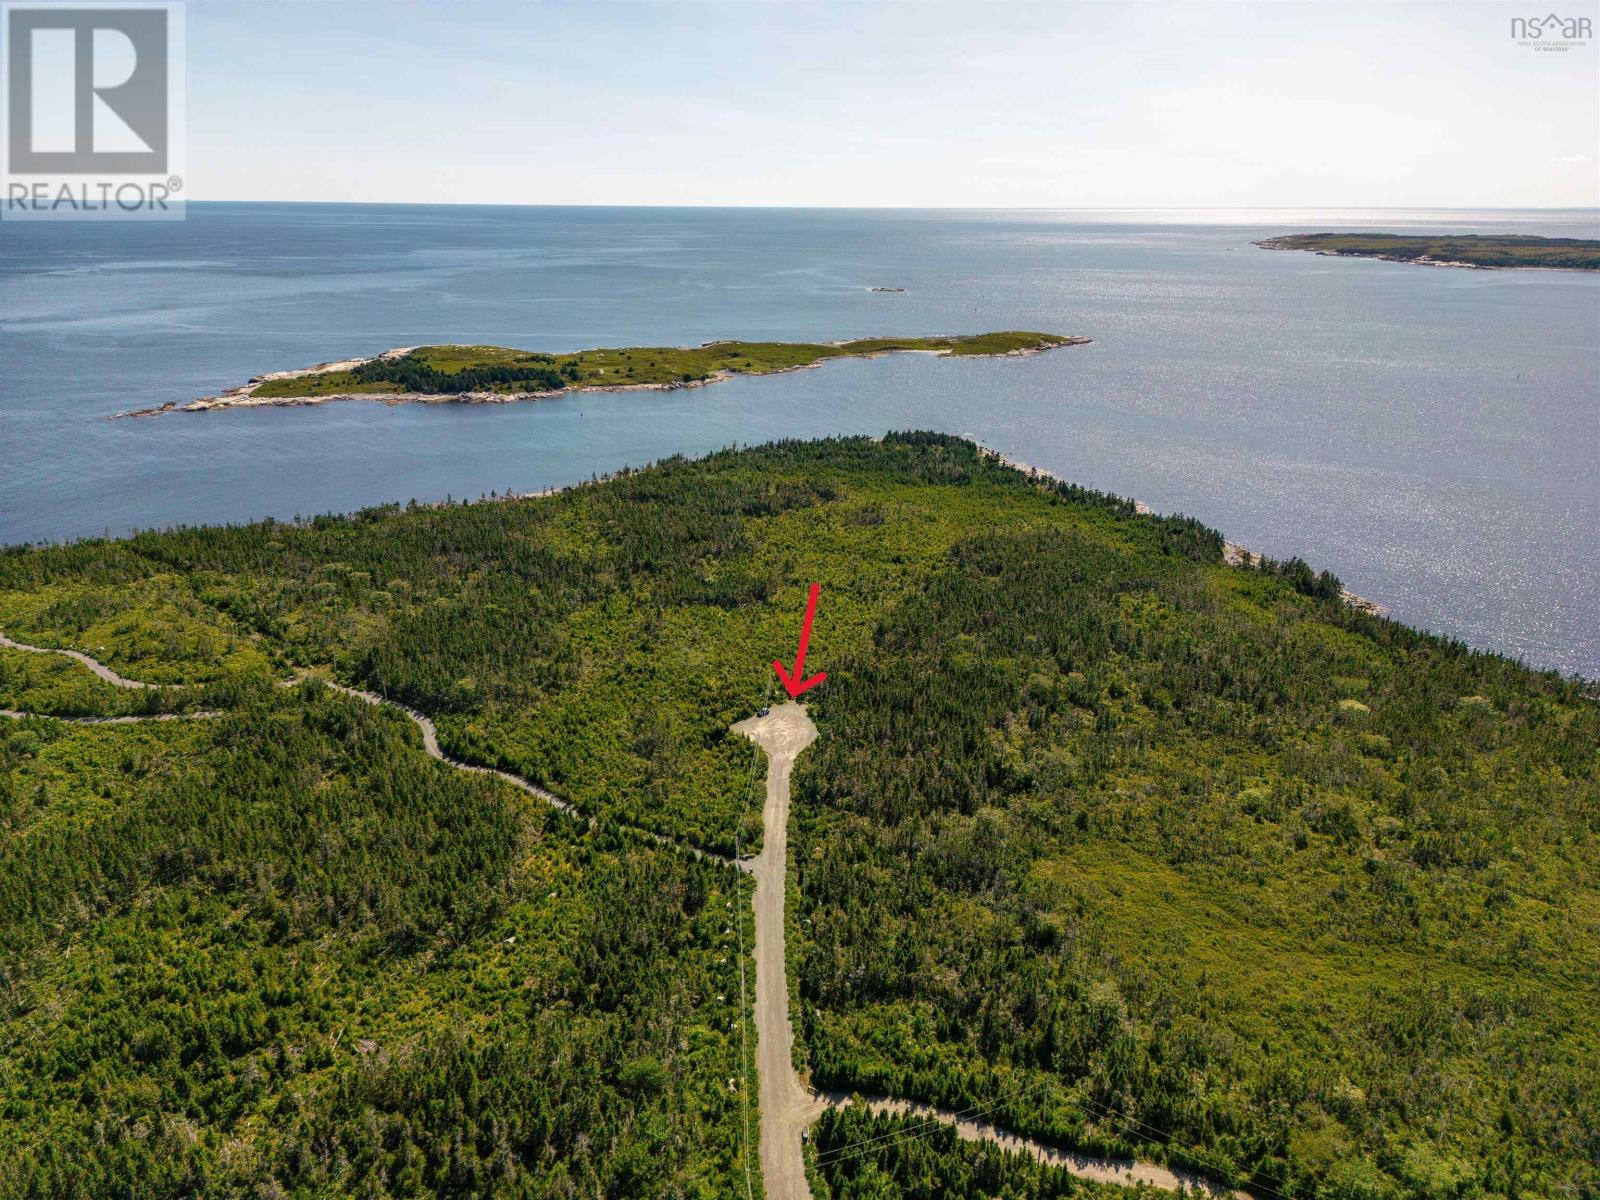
{"points": [[498, 375], [1463, 250]]}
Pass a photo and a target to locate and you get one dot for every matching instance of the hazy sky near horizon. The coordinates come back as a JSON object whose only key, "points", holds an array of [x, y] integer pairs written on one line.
{"points": [[996, 104]]}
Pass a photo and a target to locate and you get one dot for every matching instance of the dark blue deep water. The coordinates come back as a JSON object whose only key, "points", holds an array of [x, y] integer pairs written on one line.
{"points": [[1431, 435]]}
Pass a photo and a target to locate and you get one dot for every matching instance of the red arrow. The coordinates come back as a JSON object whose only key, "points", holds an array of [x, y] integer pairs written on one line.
{"points": [[796, 683]]}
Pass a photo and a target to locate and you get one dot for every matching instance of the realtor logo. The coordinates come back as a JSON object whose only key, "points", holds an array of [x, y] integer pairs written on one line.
{"points": [[1552, 31], [93, 98], [88, 90]]}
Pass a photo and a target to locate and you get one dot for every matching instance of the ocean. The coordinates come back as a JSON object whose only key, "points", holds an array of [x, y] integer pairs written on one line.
{"points": [[1432, 435]]}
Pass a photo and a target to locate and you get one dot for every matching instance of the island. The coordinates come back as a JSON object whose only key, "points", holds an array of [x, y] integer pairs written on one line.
{"points": [[1449, 250], [499, 374]]}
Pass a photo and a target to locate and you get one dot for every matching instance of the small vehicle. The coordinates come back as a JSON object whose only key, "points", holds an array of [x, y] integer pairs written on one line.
{"points": [[762, 711]]}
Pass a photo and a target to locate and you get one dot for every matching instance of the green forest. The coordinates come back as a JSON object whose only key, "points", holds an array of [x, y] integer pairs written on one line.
{"points": [[282, 953], [1142, 853]]}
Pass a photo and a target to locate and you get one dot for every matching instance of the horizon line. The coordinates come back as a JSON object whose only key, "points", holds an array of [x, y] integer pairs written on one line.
{"points": [[1593, 208]]}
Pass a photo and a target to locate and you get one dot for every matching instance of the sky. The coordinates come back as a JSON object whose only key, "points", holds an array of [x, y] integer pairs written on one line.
{"points": [[920, 104]]}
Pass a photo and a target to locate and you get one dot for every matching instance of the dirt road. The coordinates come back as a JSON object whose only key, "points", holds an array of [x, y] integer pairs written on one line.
{"points": [[99, 668], [786, 1107]]}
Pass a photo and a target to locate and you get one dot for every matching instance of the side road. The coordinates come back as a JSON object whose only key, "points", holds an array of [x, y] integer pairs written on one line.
{"points": [[1124, 1171], [99, 668], [429, 731]]}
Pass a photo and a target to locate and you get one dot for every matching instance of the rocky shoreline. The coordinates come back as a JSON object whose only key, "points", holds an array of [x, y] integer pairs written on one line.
{"points": [[1421, 260]]}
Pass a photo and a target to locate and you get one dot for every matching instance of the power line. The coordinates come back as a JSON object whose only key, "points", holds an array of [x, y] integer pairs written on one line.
{"points": [[1156, 1137], [900, 1137], [962, 1114]]}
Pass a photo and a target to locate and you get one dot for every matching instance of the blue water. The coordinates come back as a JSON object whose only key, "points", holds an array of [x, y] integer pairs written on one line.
{"points": [[1431, 435]]}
